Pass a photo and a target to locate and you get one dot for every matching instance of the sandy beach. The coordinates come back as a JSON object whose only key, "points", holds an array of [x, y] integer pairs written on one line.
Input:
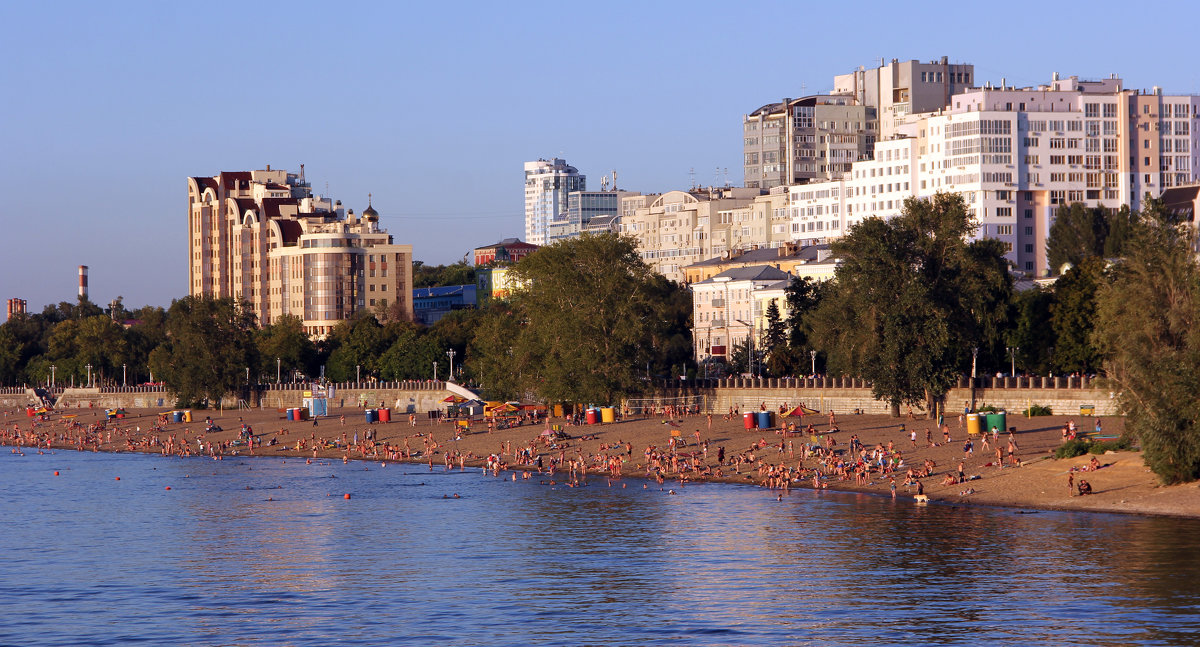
{"points": [[1122, 484]]}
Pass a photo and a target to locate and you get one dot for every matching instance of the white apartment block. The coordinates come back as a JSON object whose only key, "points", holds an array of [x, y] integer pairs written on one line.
{"points": [[900, 88], [1016, 155], [547, 185], [726, 310]]}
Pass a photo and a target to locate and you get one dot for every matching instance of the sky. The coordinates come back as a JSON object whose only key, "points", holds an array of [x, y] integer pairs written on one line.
{"points": [[108, 108]]}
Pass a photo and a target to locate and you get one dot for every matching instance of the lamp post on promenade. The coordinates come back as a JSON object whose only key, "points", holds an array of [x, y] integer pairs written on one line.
{"points": [[52, 369], [89, 370], [435, 371], [974, 360], [357, 373], [451, 354], [278, 367], [123, 383], [1012, 355], [813, 355]]}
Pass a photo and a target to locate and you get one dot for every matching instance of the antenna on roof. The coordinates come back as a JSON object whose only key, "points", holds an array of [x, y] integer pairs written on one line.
{"points": [[614, 179], [692, 176]]}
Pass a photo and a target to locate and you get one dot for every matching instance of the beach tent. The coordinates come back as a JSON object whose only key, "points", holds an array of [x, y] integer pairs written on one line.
{"points": [[454, 399], [802, 411]]}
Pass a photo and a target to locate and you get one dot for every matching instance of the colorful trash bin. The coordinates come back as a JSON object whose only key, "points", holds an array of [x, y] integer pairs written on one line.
{"points": [[558, 411], [764, 419], [593, 416], [608, 414], [973, 424], [997, 420], [385, 415], [749, 420], [371, 415], [176, 416]]}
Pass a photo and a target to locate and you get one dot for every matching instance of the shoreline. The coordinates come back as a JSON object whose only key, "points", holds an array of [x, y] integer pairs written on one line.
{"points": [[1123, 485]]}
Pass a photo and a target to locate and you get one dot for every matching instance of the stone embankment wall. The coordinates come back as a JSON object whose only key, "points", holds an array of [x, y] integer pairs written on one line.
{"points": [[1064, 396], [401, 397]]}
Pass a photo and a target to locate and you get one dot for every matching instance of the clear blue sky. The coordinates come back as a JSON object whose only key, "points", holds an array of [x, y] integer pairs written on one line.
{"points": [[109, 107]]}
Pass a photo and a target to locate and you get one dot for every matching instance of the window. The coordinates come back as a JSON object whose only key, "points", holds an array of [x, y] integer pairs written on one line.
{"points": [[1028, 248], [1028, 214], [1004, 230]]}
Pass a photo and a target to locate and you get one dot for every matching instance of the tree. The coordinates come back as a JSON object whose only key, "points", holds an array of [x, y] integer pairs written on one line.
{"points": [[411, 354], [1078, 232], [1149, 331], [911, 298], [284, 346], [356, 346], [588, 315], [1073, 316], [209, 345], [96, 342], [1032, 330]]}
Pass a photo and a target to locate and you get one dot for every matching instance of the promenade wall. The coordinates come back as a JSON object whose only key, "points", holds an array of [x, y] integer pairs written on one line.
{"points": [[401, 397], [1064, 396]]}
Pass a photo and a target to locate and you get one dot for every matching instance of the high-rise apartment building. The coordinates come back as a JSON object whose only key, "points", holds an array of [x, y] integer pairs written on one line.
{"points": [[901, 88], [1016, 155], [800, 140], [547, 185], [264, 238]]}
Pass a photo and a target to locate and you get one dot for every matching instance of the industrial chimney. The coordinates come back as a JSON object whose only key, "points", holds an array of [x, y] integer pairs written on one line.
{"points": [[83, 286]]}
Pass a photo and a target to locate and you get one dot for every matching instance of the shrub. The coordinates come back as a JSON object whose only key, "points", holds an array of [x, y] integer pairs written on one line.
{"points": [[1120, 444], [1073, 448], [987, 408], [1038, 410]]}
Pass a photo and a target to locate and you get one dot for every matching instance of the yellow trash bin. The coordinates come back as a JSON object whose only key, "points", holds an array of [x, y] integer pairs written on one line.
{"points": [[973, 424], [187, 416], [608, 414]]}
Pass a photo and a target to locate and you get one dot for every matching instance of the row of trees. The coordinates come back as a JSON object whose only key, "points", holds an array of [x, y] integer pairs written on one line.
{"points": [[913, 305]]}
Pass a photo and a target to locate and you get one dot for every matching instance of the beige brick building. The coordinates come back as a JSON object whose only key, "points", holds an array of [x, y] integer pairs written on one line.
{"points": [[263, 237]]}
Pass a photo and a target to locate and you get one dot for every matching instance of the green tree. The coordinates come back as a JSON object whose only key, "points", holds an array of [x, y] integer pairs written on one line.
{"points": [[589, 314], [147, 333], [911, 298], [1148, 332], [1073, 316], [1078, 232], [95, 341], [411, 355], [1032, 330], [209, 345], [284, 346], [356, 346]]}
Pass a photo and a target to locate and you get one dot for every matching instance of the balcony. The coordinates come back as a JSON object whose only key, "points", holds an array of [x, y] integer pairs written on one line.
{"points": [[718, 303]]}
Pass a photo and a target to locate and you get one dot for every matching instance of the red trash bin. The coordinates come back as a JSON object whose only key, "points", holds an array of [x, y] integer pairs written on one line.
{"points": [[593, 416], [749, 420], [385, 415]]}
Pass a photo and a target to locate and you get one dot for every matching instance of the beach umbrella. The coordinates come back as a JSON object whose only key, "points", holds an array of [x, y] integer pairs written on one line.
{"points": [[802, 411]]}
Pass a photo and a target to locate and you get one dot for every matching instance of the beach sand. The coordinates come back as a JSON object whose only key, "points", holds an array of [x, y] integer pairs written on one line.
{"points": [[1122, 484]]}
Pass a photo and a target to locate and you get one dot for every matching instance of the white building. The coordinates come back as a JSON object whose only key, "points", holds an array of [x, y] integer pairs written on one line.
{"points": [[547, 185], [1016, 155]]}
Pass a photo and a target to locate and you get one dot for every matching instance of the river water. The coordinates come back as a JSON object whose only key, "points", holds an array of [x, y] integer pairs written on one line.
{"points": [[266, 551]]}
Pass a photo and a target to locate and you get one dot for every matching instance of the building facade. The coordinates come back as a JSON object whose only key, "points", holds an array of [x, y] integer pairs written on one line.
{"points": [[431, 304], [726, 312], [262, 237], [1016, 155], [509, 250], [547, 185], [800, 140], [899, 88]]}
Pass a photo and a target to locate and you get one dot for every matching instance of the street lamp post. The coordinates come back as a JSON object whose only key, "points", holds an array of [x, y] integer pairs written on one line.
{"points": [[52, 369], [813, 354], [278, 367], [89, 370], [357, 373], [974, 360], [1012, 355], [749, 346], [451, 354], [123, 383], [435, 371]]}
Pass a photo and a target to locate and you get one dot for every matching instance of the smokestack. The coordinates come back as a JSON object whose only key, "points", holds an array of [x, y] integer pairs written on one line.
{"points": [[83, 286]]}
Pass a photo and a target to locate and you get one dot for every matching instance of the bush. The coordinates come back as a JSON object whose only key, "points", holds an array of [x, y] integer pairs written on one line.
{"points": [[1073, 448], [1038, 410], [1121, 444], [987, 408]]}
